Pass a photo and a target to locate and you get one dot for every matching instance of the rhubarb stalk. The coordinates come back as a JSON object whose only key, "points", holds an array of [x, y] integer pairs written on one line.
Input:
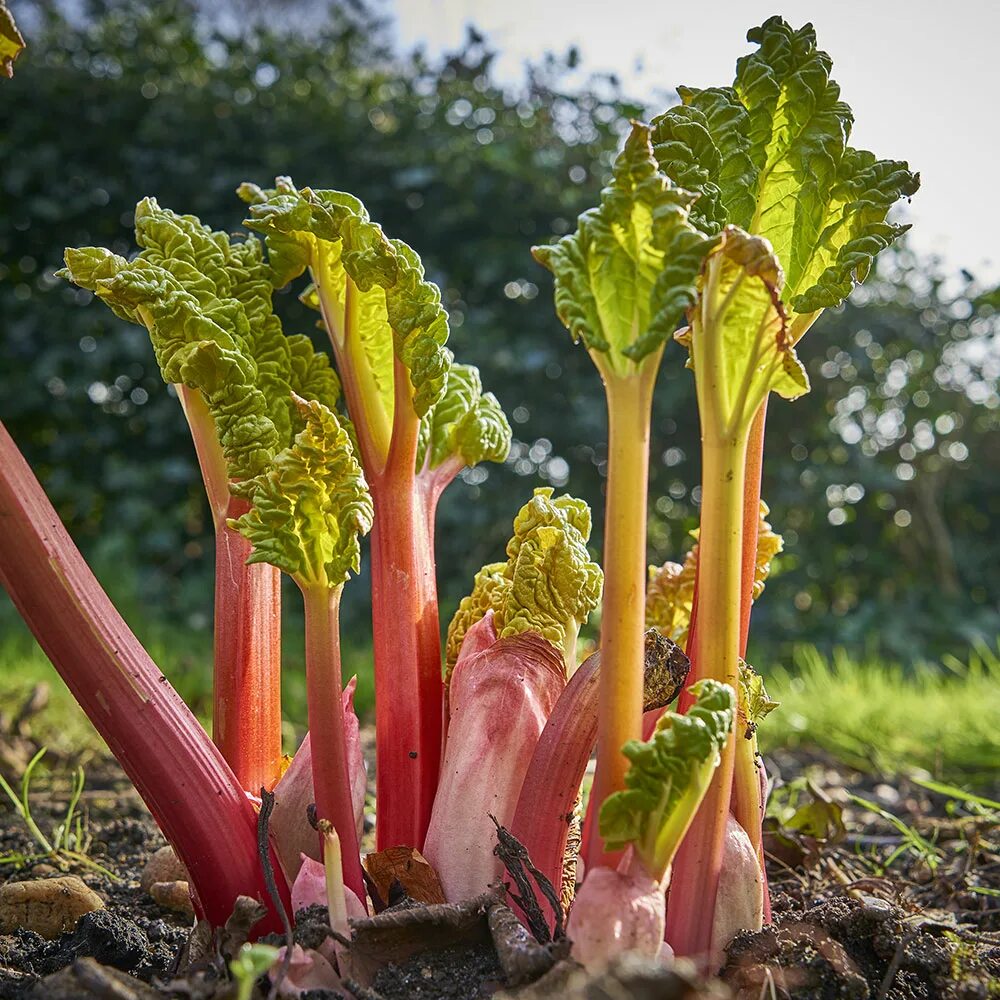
{"points": [[307, 512], [331, 771], [412, 411], [740, 351], [180, 775], [622, 281]]}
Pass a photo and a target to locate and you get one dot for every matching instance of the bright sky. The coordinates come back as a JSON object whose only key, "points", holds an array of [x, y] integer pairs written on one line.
{"points": [[923, 79]]}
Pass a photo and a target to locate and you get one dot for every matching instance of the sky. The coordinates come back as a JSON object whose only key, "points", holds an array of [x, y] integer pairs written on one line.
{"points": [[923, 79]]}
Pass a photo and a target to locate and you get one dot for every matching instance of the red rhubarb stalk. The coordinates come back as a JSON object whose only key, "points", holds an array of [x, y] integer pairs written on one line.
{"points": [[180, 775], [404, 593], [327, 730]]}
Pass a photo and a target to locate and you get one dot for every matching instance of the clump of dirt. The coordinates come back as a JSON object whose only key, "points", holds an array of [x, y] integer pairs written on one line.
{"points": [[457, 973], [133, 933], [855, 949]]}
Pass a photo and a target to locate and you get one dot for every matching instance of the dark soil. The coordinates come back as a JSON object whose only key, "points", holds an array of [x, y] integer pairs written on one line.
{"points": [[884, 914]]}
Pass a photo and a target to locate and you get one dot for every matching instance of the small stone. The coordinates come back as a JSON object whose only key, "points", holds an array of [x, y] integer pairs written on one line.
{"points": [[48, 907], [43, 870], [174, 896], [887, 795], [163, 866]]}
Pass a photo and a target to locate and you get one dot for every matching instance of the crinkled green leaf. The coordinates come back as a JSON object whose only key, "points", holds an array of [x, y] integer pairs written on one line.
{"points": [[11, 42], [770, 154], [755, 703], [670, 597], [465, 425], [489, 590], [311, 506], [399, 313], [549, 583], [206, 302], [769, 544], [738, 339], [668, 776], [625, 277]]}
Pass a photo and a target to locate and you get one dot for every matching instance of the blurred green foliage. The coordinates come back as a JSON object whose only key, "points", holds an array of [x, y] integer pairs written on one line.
{"points": [[880, 479]]}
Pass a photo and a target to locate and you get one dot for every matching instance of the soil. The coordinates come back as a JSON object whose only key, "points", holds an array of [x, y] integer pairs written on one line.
{"points": [[906, 906]]}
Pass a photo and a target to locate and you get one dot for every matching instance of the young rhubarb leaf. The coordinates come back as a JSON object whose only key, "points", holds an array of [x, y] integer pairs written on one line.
{"points": [[206, 302], [771, 155], [667, 778], [311, 506], [463, 428], [549, 583], [738, 339], [625, 277], [670, 587], [371, 292]]}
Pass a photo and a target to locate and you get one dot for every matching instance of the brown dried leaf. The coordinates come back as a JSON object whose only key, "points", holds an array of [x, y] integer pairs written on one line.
{"points": [[410, 868]]}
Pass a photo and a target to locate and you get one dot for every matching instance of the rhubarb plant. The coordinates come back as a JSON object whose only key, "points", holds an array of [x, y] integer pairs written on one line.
{"points": [[769, 157], [206, 303], [307, 512], [516, 638], [742, 213], [622, 282], [419, 420]]}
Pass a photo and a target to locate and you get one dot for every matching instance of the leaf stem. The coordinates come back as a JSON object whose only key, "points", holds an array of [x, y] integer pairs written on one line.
{"points": [[629, 400], [408, 685], [246, 687], [716, 655], [331, 774]]}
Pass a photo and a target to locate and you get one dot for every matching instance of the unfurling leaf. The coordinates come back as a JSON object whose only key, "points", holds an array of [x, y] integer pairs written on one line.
{"points": [[770, 154], [465, 426], [738, 339], [769, 544], [11, 42], [667, 778], [670, 590], [311, 506], [670, 597], [625, 277], [549, 583], [755, 703], [393, 310], [206, 302]]}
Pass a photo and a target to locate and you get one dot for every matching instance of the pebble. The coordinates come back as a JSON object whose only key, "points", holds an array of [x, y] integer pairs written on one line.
{"points": [[173, 896], [163, 866], [48, 907]]}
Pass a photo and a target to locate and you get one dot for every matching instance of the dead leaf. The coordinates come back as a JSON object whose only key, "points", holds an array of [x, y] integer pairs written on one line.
{"points": [[408, 867]]}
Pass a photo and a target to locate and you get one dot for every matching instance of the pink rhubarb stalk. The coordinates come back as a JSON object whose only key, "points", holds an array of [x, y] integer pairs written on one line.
{"points": [[552, 783], [501, 698], [327, 729], [246, 717], [180, 775], [293, 794]]}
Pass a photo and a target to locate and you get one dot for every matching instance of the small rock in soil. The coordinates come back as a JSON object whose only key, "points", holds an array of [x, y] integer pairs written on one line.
{"points": [[162, 866], [48, 906], [174, 896]]}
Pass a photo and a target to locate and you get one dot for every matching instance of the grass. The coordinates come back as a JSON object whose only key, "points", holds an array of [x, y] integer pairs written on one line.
{"points": [[939, 720], [184, 657], [943, 720]]}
